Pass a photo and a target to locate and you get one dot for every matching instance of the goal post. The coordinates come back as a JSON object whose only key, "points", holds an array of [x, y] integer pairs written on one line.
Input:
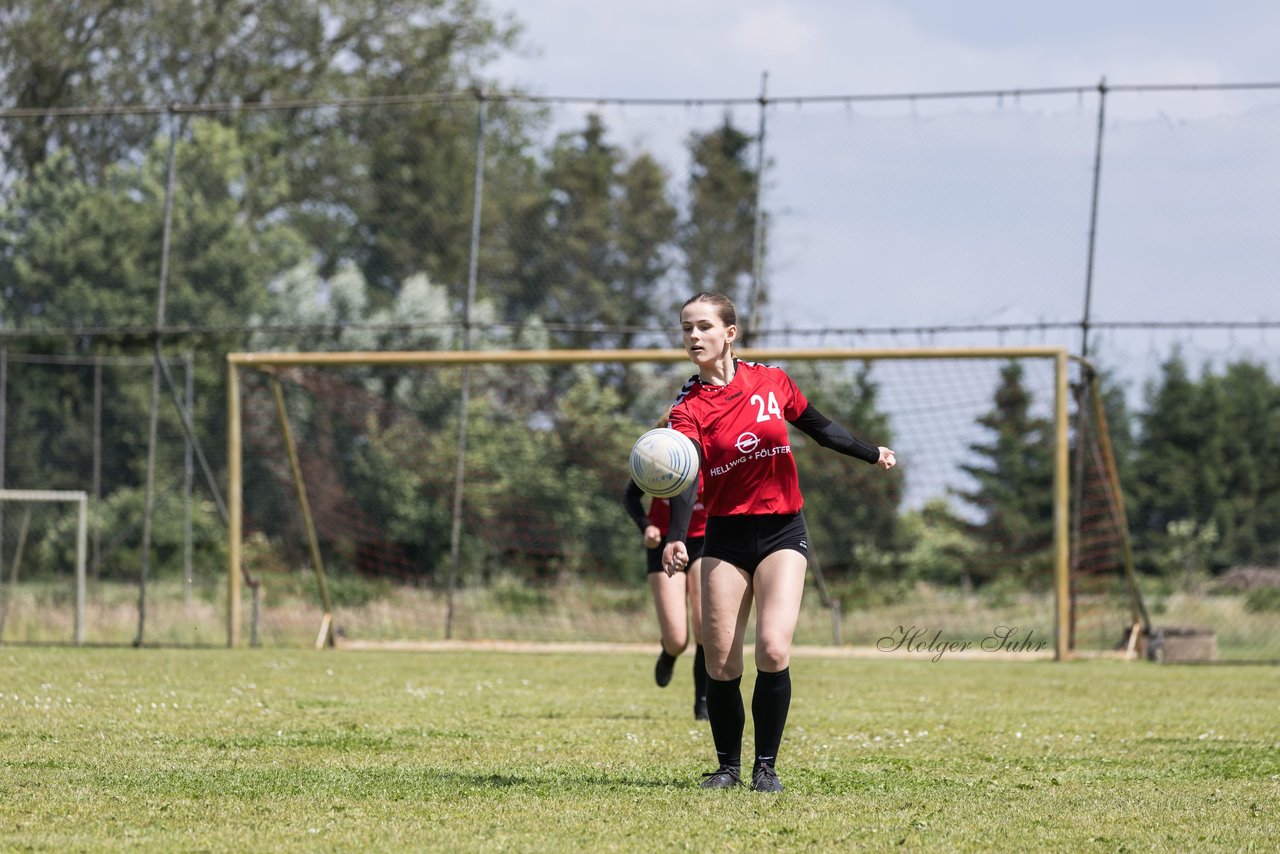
{"points": [[1056, 360], [29, 497]]}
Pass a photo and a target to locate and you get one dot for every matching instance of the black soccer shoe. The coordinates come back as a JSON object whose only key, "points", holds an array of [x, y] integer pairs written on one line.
{"points": [[724, 777], [765, 779], [663, 669], [700, 710]]}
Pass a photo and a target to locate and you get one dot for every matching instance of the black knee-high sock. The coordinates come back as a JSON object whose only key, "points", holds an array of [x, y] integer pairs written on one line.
{"points": [[728, 718], [769, 706], [699, 675]]}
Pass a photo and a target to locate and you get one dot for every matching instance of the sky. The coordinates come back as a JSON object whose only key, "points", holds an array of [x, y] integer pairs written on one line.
{"points": [[974, 211], [719, 48]]}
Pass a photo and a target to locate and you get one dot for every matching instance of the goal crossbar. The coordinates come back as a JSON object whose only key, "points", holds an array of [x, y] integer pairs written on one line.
{"points": [[475, 357]]}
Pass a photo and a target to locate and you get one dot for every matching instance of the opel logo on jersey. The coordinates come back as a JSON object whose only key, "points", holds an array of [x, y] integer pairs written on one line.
{"points": [[747, 442]]}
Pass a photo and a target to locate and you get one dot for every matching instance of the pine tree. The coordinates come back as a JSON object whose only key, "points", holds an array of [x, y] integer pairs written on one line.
{"points": [[718, 235], [1176, 471], [1014, 493], [608, 229], [1248, 476]]}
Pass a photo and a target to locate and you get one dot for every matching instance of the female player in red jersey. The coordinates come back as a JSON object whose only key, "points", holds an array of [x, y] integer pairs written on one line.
{"points": [[756, 546], [670, 590]]}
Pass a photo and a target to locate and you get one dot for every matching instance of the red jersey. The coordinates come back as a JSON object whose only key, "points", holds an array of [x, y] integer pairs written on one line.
{"points": [[741, 429]]}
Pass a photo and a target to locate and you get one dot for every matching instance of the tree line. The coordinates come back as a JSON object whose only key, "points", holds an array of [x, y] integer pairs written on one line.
{"points": [[348, 226]]}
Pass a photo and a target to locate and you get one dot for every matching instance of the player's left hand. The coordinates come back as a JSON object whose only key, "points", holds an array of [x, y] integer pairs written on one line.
{"points": [[888, 459]]}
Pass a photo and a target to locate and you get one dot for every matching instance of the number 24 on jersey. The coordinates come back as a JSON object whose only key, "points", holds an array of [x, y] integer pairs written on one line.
{"points": [[766, 409]]}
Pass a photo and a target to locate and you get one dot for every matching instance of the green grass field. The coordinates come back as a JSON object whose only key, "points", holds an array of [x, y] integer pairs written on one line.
{"points": [[257, 750]]}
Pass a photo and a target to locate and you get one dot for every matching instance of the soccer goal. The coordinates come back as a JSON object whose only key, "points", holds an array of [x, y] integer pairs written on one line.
{"points": [[44, 537], [452, 495]]}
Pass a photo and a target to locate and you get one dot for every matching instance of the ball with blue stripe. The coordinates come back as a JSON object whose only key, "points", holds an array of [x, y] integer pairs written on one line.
{"points": [[663, 462]]}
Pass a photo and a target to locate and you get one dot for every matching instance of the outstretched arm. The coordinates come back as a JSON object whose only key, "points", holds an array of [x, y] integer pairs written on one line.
{"points": [[829, 434]]}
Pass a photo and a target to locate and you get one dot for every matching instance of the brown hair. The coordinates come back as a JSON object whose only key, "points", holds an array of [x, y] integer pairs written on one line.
{"points": [[665, 419], [724, 306]]}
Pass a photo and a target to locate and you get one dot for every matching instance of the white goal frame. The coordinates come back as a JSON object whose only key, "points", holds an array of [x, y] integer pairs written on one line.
{"points": [[81, 500]]}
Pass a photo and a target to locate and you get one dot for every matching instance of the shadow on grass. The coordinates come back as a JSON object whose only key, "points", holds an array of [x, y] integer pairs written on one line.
{"points": [[552, 781], [402, 783]]}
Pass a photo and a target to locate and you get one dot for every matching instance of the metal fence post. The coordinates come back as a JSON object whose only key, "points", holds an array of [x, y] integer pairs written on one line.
{"points": [[459, 475]]}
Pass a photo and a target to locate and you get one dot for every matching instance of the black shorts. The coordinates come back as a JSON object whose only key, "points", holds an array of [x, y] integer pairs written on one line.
{"points": [[693, 545], [744, 541]]}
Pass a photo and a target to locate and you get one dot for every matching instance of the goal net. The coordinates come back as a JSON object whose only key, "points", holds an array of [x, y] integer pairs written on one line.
{"points": [[1107, 609], [478, 496], [43, 537]]}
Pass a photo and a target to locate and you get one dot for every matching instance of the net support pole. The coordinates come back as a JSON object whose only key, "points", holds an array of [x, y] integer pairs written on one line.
{"points": [[756, 324], [188, 474], [1093, 218], [149, 505], [460, 468], [82, 553], [1061, 511], [97, 467], [313, 542], [235, 504]]}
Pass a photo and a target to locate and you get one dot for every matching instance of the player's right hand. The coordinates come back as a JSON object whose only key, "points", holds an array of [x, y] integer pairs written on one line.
{"points": [[675, 557]]}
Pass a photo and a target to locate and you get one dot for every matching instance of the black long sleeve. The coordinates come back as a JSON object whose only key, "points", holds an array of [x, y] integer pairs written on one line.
{"points": [[682, 512], [829, 434], [632, 502]]}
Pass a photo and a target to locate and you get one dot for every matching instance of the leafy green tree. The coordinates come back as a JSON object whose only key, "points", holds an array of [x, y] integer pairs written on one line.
{"points": [[156, 52], [75, 255], [386, 185], [1013, 496], [78, 255], [938, 549]]}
